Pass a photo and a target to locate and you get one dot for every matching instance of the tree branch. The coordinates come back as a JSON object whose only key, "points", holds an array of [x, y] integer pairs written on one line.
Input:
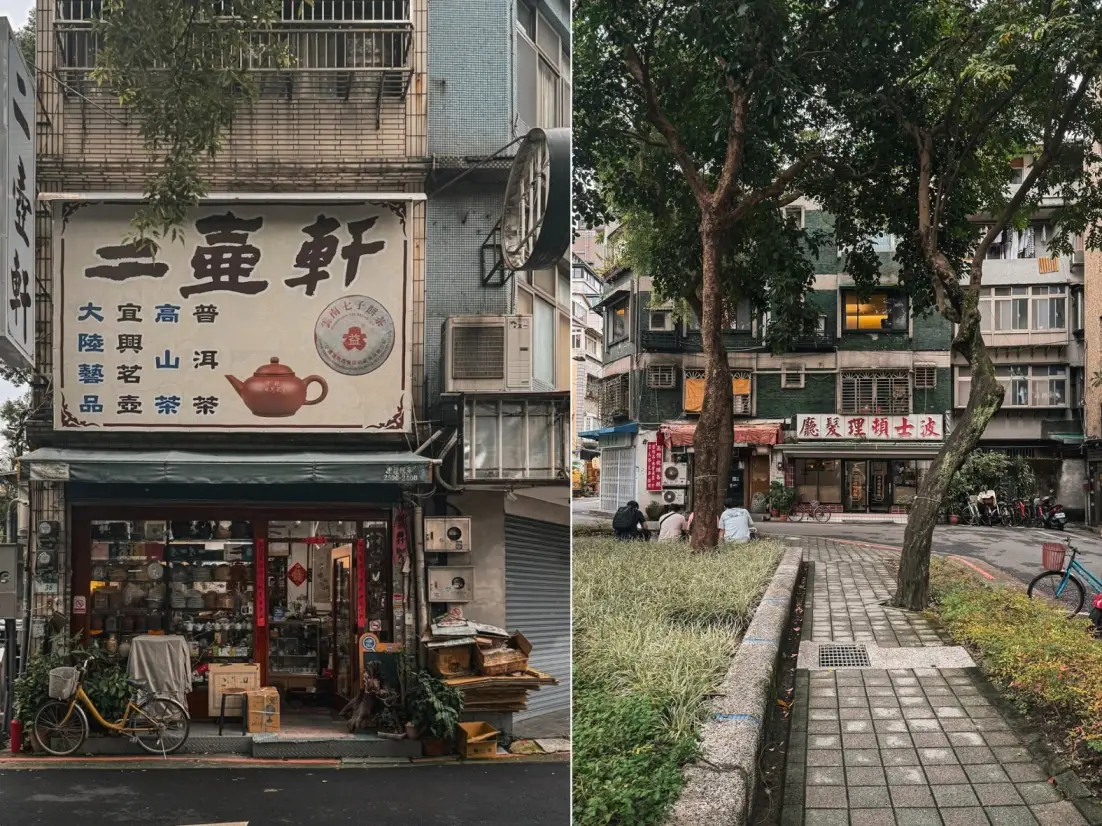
{"points": [[638, 70], [777, 189]]}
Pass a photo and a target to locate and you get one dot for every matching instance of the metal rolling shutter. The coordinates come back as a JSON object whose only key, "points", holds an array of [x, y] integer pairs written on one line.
{"points": [[537, 603]]}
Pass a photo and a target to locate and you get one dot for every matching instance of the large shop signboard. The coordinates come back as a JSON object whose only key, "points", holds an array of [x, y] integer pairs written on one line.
{"points": [[913, 427], [262, 318]]}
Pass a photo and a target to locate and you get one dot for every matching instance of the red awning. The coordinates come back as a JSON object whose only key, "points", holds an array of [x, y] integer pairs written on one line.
{"points": [[680, 434]]}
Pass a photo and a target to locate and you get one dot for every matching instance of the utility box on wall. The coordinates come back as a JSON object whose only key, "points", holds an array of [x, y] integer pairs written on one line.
{"points": [[448, 534], [9, 581]]}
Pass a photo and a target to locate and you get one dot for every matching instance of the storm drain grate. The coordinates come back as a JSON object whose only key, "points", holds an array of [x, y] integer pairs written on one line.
{"points": [[843, 656]]}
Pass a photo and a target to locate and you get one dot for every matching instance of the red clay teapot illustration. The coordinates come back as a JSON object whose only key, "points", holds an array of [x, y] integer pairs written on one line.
{"points": [[274, 390]]}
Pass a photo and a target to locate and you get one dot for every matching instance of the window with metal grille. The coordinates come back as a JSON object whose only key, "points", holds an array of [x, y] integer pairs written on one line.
{"points": [[884, 392], [925, 377], [661, 376], [615, 396], [592, 387], [741, 391], [478, 352], [792, 376]]}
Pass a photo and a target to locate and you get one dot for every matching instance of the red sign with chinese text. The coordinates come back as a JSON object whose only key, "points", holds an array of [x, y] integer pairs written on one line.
{"points": [[261, 596], [297, 574], [654, 466], [361, 584]]}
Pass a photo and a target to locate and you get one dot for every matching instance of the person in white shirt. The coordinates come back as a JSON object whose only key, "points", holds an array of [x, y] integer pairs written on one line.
{"points": [[735, 522], [673, 525]]}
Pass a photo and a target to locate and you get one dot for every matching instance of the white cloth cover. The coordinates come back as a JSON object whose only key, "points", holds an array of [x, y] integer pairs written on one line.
{"points": [[165, 662]]}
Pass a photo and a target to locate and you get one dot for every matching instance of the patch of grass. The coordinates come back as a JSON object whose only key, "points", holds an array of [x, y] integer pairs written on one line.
{"points": [[655, 627], [1046, 663]]}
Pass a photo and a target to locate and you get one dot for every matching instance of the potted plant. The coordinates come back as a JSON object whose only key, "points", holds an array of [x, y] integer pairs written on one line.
{"points": [[654, 511], [434, 708], [781, 500], [954, 519]]}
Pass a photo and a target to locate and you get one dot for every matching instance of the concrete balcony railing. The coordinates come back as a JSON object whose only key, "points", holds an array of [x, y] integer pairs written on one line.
{"points": [[1027, 338], [1026, 271]]}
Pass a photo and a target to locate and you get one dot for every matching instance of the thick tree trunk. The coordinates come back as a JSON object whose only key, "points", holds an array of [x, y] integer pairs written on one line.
{"points": [[984, 399], [714, 436]]}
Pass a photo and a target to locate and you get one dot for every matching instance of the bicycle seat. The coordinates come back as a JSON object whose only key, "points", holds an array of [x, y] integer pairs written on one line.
{"points": [[140, 684]]}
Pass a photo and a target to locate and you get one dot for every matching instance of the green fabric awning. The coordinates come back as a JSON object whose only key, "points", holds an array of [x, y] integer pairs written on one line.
{"points": [[193, 468]]}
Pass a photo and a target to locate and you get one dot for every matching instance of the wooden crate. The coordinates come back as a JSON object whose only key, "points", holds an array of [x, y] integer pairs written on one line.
{"points": [[236, 675], [263, 710], [477, 740]]}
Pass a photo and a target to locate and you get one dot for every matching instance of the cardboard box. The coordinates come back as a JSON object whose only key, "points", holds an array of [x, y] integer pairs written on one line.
{"points": [[263, 710], [508, 659], [455, 661], [236, 675], [477, 740]]}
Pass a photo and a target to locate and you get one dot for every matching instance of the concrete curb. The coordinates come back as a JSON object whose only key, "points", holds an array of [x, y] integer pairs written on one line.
{"points": [[719, 786]]}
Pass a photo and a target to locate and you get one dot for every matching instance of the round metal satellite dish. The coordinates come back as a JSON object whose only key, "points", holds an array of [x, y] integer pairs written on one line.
{"points": [[535, 222]]}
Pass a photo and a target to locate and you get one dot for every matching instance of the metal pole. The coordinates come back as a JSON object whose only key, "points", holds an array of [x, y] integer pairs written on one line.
{"points": [[9, 673]]}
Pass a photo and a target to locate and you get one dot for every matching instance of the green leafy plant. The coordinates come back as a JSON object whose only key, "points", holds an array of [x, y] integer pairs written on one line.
{"points": [[434, 707], [995, 471], [781, 498], [105, 684]]}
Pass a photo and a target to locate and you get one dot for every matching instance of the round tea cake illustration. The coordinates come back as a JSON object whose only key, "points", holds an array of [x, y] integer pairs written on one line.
{"points": [[354, 335]]}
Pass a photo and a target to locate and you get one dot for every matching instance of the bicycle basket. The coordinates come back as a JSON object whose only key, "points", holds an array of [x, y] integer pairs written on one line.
{"points": [[1052, 555], [63, 682]]}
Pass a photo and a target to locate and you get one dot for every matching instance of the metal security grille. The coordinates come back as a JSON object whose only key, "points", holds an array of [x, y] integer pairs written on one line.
{"points": [[843, 656], [925, 377], [617, 477], [479, 352], [661, 376], [792, 376], [615, 392], [742, 401], [884, 392]]}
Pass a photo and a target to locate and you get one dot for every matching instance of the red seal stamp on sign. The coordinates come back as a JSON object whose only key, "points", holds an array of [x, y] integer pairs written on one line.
{"points": [[354, 335]]}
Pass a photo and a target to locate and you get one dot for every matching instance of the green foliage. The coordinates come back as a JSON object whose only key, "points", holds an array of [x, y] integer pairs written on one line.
{"points": [[25, 37], [989, 470], [105, 684], [781, 498], [627, 768], [654, 631], [182, 69], [434, 707], [1045, 662]]}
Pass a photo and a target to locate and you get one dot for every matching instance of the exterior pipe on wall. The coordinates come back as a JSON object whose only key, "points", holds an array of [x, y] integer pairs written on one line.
{"points": [[419, 573]]}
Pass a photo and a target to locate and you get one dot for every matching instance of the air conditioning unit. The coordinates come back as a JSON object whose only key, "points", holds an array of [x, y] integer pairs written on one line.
{"points": [[447, 534], [675, 475], [673, 496], [488, 354]]}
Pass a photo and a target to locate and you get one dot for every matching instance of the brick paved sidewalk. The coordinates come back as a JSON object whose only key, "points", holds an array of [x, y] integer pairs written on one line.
{"points": [[899, 746]]}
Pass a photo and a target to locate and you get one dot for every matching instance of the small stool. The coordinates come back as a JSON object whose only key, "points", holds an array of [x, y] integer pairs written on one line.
{"points": [[237, 692]]}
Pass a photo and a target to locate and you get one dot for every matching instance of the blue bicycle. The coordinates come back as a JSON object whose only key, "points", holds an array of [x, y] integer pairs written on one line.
{"points": [[1060, 585]]}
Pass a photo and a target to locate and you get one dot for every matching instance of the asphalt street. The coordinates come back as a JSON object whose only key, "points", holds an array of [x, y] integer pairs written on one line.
{"points": [[1014, 551], [447, 795]]}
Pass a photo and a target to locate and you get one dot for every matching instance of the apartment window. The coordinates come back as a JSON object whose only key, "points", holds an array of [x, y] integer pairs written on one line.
{"points": [[794, 215], [884, 242], [1044, 385], [660, 320], [543, 70], [579, 310], [1028, 242], [1049, 307], [592, 387], [615, 398], [514, 440], [618, 321], [741, 391], [661, 377], [591, 346], [925, 377], [881, 392], [881, 312], [576, 340], [742, 319], [792, 377]]}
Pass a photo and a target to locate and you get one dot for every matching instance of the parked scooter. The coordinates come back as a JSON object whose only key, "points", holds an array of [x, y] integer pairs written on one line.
{"points": [[1047, 513]]}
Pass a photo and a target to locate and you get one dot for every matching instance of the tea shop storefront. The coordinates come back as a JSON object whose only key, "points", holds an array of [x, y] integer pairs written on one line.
{"points": [[282, 560], [861, 465]]}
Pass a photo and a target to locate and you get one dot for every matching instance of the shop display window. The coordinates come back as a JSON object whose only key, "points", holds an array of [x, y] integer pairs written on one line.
{"points": [[819, 480], [191, 578]]}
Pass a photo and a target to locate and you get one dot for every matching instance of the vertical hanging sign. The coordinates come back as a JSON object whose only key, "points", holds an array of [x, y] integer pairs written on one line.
{"points": [[654, 466], [361, 584], [261, 563], [17, 311]]}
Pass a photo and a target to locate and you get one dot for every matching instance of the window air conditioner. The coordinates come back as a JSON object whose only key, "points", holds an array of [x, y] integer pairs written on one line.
{"points": [[488, 354]]}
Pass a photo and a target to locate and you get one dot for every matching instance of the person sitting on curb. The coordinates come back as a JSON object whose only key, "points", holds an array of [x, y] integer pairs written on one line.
{"points": [[629, 523], [736, 523], [672, 526]]}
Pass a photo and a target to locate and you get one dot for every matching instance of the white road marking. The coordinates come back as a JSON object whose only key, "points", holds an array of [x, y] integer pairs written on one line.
{"points": [[235, 823]]}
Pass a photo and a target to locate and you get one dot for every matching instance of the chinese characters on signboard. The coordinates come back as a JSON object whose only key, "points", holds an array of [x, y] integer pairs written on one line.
{"points": [[912, 427], [654, 466], [17, 247], [263, 318]]}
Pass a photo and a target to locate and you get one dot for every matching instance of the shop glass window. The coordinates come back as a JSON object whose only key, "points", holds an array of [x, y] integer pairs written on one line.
{"points": [[907, 476], [819, 480], [618, 315], [191, 578], [514, 440], [1049, 311], [884, 392], [882, 312]]}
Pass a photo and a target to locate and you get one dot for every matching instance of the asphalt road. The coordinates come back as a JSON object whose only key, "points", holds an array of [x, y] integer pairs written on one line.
{"points": [[1015, 551], [448, 795]]}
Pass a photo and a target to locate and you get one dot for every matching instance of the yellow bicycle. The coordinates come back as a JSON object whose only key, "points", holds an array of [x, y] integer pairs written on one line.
{"points": [[158, 724]]}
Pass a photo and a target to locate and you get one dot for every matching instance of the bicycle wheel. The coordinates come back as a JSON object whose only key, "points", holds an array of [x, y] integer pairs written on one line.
{"points": [[1005, 516], [822, 514], [797, 515], [173, 725], [1046, 585], [58, 731]]}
